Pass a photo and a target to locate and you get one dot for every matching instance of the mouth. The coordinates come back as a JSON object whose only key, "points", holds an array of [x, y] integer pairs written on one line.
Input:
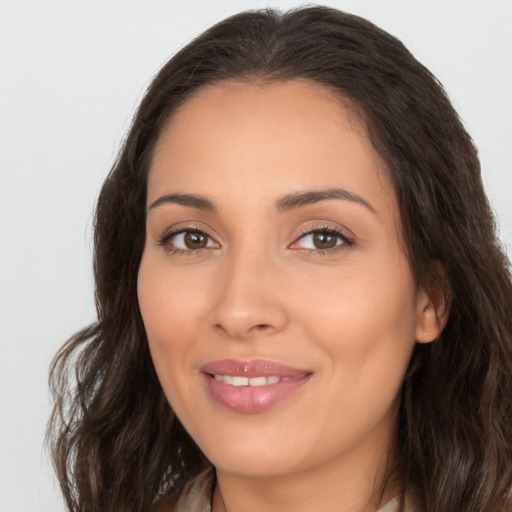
{"points": [[252, 387], [237, 381]]}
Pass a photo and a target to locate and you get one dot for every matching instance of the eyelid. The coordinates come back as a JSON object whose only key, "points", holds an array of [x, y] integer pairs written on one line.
{"points": [[165, 239], [346, 237]]}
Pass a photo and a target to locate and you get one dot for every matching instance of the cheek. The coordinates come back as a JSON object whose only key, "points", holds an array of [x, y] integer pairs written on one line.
{"points": [[169, 311], [170, 300], [365, 321], [366, 330], [360, 300]]}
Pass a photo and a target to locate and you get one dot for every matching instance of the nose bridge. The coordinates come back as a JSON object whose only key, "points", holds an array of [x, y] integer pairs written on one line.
{"points": [[248, 302]]}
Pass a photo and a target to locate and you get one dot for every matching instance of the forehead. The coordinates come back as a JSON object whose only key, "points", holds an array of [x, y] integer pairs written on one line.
{"points": [[241, 138], [270, 105]]}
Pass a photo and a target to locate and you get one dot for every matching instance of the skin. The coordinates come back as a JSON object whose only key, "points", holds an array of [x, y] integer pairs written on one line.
{"points": [[262, 289]]}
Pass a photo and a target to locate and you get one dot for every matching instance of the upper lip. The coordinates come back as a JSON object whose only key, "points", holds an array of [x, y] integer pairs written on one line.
{"points": [[254, 368]]}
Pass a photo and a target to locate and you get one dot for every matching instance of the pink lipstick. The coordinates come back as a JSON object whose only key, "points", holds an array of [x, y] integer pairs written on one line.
{"points": [[252, 386]]}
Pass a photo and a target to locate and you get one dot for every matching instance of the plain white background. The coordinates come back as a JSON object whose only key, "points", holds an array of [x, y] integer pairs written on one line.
{"points": [[71, 75]]}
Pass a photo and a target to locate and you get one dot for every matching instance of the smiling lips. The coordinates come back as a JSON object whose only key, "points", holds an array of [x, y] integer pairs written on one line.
{"points": [[251, 387]]}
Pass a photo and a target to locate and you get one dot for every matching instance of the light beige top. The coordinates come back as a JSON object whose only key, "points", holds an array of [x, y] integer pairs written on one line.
{"points": [[197, 493]]}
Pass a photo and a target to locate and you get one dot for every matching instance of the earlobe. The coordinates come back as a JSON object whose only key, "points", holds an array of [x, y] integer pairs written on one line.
{"points": [[433, 311], [428, 325]]}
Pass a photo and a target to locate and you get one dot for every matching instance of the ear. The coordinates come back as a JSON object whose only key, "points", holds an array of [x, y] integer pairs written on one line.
{"points": [[433, 306]]}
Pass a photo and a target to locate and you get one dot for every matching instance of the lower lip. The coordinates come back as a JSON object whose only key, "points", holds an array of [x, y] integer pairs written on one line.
{"points": [[253, 399]]}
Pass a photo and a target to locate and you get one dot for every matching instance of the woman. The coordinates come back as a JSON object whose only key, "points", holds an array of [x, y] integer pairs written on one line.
{"points": [[302, 302]]}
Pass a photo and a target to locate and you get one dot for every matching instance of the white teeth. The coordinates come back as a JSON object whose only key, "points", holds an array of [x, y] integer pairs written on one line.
{"points": [[227, 379], [245, 381], [258, 381], [240, 381]]}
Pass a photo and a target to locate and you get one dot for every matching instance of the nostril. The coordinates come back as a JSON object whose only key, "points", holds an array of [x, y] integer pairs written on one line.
{"points": [[262, 329], [240, 320]]}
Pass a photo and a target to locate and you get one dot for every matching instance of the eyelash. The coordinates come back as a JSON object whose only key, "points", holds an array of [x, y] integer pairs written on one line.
{"points": [[168, 236], [346, 241]]}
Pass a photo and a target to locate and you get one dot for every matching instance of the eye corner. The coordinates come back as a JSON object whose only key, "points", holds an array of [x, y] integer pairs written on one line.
{"points": [[187, 240], [322, 239]]}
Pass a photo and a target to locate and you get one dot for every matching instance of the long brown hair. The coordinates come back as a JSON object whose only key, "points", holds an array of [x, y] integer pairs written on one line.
{"points": [[116, 442]]}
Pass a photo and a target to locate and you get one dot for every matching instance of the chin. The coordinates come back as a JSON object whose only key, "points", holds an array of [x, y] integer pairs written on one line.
{"points": [[255, 449], [254, 463]]}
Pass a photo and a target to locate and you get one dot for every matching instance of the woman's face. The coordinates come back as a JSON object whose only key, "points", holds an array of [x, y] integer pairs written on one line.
{"points": [[280, 309]]}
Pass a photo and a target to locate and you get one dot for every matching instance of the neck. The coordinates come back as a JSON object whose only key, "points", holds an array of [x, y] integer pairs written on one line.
{"points": [[355, 483]]}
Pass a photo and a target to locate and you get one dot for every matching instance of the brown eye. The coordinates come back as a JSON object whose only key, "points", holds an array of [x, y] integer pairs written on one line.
{"points": [[322, 240], [188, 240], [325, 240], [195, 240]]}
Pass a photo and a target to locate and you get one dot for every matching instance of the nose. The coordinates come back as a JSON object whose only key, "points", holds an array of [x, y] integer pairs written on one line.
{"points": [[249, 302]]}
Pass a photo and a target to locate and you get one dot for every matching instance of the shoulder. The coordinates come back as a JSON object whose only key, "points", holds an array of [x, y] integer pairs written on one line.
{"points": [[394, 506], [195, 497], [391, 506]]}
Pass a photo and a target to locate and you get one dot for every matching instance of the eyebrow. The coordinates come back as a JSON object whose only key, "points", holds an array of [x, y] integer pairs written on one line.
{"points": [[286, 203], [300, 199], [191, 200]]}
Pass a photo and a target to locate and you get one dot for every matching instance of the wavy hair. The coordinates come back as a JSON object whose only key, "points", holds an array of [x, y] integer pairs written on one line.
{"points": [[116, 442]]}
